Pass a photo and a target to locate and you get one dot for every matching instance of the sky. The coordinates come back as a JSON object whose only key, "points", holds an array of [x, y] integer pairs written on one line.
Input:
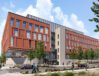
{"points": [[71, 13]]}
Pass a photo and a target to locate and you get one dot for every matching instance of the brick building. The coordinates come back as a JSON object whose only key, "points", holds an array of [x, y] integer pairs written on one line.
{"points": [[21, 33], [68, 39]]}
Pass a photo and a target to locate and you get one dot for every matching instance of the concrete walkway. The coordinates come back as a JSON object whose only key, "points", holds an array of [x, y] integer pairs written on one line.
{"points": [[6, 73], [92, 70]]}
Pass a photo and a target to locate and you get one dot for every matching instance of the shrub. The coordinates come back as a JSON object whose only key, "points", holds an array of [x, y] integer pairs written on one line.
{"points": [[82, 73], [26, 72], [68, 74], [55, 74], [48, 74], [36, 74]]}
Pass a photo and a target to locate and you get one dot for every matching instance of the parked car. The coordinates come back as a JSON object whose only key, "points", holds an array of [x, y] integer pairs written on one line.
{"points": [[26, 66], [83, 65]]}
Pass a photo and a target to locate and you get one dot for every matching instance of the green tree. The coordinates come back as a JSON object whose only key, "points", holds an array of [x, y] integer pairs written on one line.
{"points": [[3, 56], [80, 53], [95, 10], [2, 59], [97, 53], [91, 54], [85, 55], [31, 54], [39, 50], [73, 54]]}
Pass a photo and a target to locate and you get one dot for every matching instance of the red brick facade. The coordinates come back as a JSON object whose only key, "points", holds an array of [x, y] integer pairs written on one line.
{"points": [[74, 40], [21, 42]]}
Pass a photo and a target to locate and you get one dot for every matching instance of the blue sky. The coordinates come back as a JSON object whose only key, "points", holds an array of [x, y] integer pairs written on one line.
{"points": [[70, 13]]}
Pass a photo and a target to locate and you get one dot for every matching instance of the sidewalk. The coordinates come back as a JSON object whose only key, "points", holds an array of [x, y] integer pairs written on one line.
{"points": [[92, 70]]}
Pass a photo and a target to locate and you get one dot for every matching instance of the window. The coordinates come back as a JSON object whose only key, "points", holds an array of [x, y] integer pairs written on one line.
{"points": [[44, 37], [39, 37], [58, 50], [34, 36], [15, 32], [11, 41], [17, 22], [28, 34], [11, 21], [41, 29], [30, 26], [36, 28], [24, 24], [58, 42], [66, 36], [46, 30], [17, 54], [57, 56], [58, 36]]}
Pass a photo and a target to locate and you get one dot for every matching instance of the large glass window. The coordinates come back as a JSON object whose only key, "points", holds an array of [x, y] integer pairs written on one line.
{"points": [[46, 30], [24, 24], [28, 34], [15, 32], [36, 28], [34, 36], [30, 26], [44, 37], [41, 29], [11, 41], [11, 21], [17, 22], [39, 37]]}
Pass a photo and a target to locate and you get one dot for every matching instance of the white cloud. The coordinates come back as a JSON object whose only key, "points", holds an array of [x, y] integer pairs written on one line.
{"points": [[72, 21], [29, 10], [42, 9], [79, 25], [12, 5], [61, 17], [96, 35], [45, 9], [7, 8], [1, 32]]}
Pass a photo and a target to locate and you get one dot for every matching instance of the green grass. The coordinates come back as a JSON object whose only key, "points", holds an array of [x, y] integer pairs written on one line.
{"points": [[72, 74]]}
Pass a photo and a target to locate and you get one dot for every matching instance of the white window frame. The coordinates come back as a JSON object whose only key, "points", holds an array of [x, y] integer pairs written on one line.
{"points": [[39, 37], [36, 28], [16, 32], [41, 29], [28, 34], [34, 36], [44, 38], [11, 21], [12, 41], [46, 30]]}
